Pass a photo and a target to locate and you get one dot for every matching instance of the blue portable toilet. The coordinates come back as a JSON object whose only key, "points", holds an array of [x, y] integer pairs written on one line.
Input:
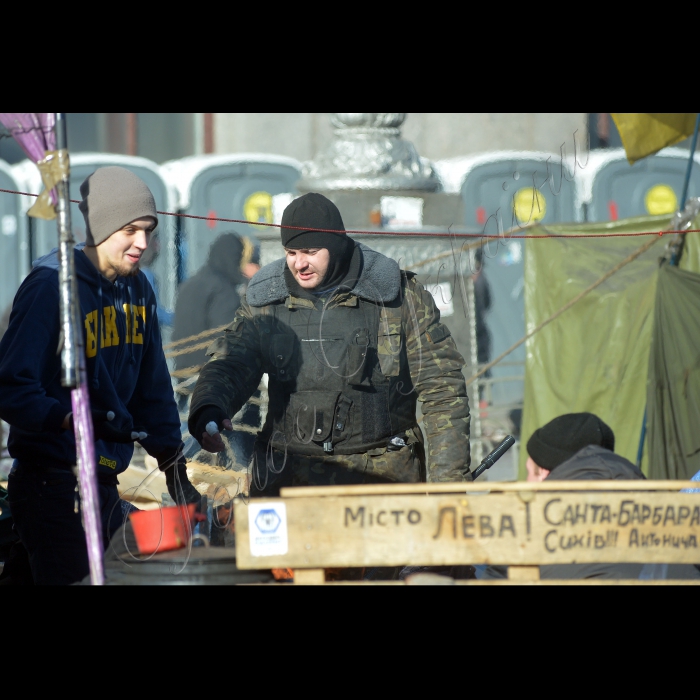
{"points": [[44, 234], [13, 237], [609, 188], [246, 187], [501, 191]]}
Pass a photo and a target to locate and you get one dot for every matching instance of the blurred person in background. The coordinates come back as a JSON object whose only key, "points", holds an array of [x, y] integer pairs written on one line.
{"points": [[482, 304], [210, 299]]}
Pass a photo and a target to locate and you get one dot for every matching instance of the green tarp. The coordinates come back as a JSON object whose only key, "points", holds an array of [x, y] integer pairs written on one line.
{"points": [[674, 377], [595, 357]]}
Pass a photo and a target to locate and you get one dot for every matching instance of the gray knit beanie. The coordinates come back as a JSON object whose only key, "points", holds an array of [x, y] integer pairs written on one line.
{"points": [[112, 198]]}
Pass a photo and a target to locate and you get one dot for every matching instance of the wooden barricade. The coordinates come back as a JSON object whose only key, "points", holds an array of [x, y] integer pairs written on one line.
{"points": [[519, 524]]}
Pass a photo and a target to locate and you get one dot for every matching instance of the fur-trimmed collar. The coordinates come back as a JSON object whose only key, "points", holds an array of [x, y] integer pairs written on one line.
{"points": [[380, 280]]}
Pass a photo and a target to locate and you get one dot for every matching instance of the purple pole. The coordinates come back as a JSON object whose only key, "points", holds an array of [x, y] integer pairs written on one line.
{"points": [[73, 368], [89, 496], [37, 134]]}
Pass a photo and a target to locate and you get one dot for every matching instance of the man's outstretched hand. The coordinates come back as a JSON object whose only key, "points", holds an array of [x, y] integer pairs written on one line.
{"points": [[208, 429], [174, 465], [213, 442]]}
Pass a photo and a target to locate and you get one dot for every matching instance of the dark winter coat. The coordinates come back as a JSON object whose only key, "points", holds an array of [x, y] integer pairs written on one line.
{"points": [[482, 305], [411, 343], [210, 298], [126, 368]]}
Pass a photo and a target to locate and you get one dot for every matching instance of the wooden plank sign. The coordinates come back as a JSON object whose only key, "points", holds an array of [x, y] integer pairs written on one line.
{"points": [[520, 528]]}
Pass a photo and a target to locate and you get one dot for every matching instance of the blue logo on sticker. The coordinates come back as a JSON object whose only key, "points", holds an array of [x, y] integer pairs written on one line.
{"points": [[268, 521]]}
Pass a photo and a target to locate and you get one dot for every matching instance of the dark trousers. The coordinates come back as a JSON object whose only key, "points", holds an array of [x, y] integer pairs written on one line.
{"points": [[42, 501]]}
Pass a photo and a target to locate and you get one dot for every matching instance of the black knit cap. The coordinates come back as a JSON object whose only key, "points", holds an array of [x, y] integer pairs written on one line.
{"points": [[564, 436], [314, 211], [308, 212]]}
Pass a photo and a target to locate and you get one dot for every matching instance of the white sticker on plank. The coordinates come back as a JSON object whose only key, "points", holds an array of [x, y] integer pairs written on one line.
{"points": [[267, 524]]}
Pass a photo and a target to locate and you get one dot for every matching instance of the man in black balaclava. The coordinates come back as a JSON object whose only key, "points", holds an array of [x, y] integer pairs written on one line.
{"points": [[318, 261], [349, 342]]}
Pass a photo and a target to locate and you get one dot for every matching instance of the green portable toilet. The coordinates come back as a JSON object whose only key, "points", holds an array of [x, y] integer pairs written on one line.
{"points": [[611, 189], [44, 235], [13, 237], [246, 187]]}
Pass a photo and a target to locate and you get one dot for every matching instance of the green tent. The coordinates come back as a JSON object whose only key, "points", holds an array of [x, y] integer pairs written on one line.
{"points": [[633, 340]]}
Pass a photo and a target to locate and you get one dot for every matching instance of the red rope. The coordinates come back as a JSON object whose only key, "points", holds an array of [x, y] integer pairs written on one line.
{"points": [[407, 233]]}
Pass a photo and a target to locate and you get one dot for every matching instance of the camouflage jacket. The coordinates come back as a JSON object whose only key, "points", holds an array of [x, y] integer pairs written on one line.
{"points": [[434, 363]]}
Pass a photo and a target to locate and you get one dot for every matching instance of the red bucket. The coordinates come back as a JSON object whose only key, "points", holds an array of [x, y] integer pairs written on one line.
{"points": [[164, 529]]}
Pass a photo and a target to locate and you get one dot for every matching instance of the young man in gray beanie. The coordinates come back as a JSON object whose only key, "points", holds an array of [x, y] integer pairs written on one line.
{"points": [[350, 343], [131, 395]]}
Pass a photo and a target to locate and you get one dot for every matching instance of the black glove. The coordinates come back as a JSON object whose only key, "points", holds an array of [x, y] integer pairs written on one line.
{"points": [[102, 430], [174, 464], [206, 416]]}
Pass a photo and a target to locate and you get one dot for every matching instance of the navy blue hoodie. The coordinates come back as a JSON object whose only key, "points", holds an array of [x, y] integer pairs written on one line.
{"points": [[126, 371]]}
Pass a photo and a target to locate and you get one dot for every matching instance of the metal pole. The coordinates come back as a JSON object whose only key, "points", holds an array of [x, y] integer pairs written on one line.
{"points": [[674, 261], [678, 251], [73, 367], [66, 274], [477, 437], [693, 146], [642, 437]]}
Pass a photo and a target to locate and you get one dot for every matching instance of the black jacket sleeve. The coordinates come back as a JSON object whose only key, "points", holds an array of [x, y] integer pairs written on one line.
{"points": [[234, 371], [30, 359]]}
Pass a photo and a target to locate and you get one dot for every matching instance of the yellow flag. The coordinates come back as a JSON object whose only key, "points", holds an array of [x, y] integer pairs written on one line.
{"points": [[644, 134]]}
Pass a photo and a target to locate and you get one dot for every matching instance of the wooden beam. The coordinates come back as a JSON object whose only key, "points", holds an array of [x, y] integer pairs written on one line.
{"points": [[485, 487], [523, 573], [526, 528], [309, 577]]}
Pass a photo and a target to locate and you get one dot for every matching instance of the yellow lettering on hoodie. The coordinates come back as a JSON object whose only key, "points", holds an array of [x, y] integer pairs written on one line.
{"points": [[136, 337], [111, 463], [132, 323], [91, 334], [110, 336], [127, 313]]}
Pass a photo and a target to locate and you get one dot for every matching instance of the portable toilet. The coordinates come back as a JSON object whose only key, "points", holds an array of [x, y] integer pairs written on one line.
{"points": [[506, 189], [609, 188], [503, 191], [13, 238], [44, 234], [245, 187]]}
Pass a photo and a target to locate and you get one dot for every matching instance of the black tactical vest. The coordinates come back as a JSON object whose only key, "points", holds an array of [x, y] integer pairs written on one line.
{"points": [[339, 381]]}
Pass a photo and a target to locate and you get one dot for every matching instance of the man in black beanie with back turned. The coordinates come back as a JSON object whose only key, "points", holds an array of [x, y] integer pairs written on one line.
{"points": [[579, 446], [349, 342], [562, 438]]}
